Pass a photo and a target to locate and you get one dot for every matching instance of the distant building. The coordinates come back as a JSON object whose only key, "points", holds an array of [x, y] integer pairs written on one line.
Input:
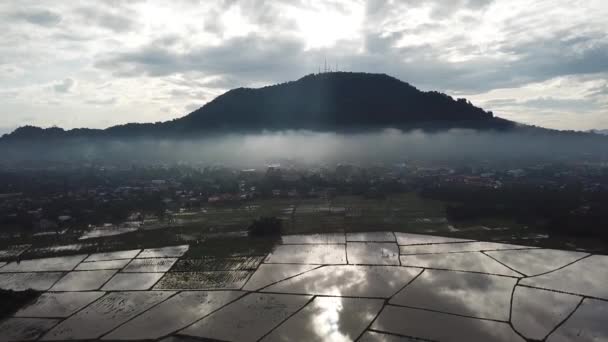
{"points": [[516, 173]]}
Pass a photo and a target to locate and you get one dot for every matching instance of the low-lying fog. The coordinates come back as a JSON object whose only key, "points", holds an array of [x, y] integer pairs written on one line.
{"points": [[249, 150]]}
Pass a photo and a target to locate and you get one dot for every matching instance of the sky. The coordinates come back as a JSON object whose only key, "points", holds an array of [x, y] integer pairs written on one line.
{"points": [[100, 63]]}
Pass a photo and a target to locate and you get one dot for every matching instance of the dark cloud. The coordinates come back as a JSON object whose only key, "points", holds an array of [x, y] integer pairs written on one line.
{"points": [[117, 20], [255, 58], [380, 43], [381, 10], [167, 40], [443, 9], [251, 57], [69, 36], [42, 17], [258, 58], [240, 61], [555, 56], [537, 60]]}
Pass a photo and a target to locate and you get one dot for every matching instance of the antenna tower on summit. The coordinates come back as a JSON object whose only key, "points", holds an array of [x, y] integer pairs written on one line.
{"points": [[327, 67]]}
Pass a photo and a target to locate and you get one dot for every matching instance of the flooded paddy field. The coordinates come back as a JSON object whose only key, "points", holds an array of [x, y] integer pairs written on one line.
{"points": [[221, 229], [354, 286], [346, 269]]}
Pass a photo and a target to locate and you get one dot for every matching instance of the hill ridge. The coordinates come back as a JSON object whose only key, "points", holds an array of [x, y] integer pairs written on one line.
{"points": [[335, 101]]}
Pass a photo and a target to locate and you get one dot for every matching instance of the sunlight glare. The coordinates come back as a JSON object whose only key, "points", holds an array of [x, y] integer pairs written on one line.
{"points": [[324, 26]]}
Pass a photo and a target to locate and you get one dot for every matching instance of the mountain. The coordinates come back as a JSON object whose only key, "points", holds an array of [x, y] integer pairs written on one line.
{"points": [[337, 101], [599, 131]]}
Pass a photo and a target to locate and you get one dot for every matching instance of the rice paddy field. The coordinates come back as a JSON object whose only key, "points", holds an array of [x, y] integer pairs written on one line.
{"points": [[220, 230]]}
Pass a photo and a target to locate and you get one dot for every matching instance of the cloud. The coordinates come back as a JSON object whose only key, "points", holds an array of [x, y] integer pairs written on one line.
{"points": [[551, 56], [170, 54], [192, 107], [545, 103], [65, 86], [500, 102], [251, 57], [424, 65], [116, 21], [443, 9], [384, 10], [42, 17], [102, 102], [599, 90], [580, 105]]}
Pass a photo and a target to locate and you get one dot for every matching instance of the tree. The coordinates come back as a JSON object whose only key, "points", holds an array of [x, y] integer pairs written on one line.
{"points": [[265, 226]]}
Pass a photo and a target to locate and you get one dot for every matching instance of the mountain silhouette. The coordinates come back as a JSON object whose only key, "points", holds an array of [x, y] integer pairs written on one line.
{"points": [[335, 101]]}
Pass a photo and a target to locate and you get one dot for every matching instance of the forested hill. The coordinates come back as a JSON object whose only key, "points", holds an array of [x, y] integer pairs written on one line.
{"points": [[337, 101]]}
